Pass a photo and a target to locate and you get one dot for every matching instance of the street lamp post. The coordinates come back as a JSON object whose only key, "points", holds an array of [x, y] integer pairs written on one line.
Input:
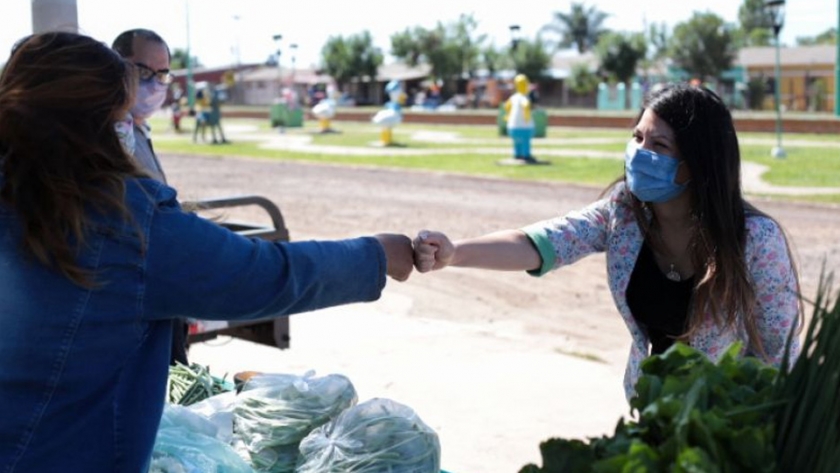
{"points": [[189, 64], [293, 47], [277, 39], [837, 69], [776, 8], [54, 15], [515, 36]]}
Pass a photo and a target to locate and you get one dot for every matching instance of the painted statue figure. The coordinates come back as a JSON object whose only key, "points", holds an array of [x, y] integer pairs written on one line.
{"points": [[391, 115], [324, 110], [520, 123]]}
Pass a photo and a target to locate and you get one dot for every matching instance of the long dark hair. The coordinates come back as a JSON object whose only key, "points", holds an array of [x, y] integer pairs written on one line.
{"points": [[60, 94], [708, 144]]}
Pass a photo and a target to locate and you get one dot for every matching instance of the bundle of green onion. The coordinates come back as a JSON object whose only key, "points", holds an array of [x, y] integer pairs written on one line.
{"points": [[808, 426], [190, 384]]}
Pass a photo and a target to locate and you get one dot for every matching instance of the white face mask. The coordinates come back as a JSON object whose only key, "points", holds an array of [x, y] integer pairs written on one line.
{"points": [[150, 96], [125, 132]]}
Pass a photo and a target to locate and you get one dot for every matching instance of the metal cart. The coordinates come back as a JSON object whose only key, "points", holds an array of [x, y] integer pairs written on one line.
{"points": [[273, 331]]}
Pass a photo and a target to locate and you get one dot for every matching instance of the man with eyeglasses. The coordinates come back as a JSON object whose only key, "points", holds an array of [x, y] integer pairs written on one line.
{"points": [[150, 55]]}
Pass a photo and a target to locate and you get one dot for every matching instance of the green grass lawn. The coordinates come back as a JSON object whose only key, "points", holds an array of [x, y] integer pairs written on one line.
{"points": [[813, 160]]}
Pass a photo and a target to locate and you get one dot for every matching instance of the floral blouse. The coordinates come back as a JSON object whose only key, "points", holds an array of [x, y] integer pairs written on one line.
{"points": [[610, 225]]}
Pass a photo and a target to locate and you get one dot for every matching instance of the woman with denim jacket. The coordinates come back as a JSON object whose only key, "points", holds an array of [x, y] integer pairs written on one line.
{"points": [[688, 258], [97, 258]]}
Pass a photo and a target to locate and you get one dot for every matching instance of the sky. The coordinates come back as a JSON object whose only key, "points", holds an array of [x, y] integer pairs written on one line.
{"points": [[216, 29]]}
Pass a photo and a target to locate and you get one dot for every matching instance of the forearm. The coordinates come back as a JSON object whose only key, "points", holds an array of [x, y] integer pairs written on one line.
{"points": [[507, 250]]}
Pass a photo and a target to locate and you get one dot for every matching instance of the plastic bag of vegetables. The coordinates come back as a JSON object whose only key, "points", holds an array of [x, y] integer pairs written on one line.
{"points": [[185, 443], [379, 436], [274, 412]]}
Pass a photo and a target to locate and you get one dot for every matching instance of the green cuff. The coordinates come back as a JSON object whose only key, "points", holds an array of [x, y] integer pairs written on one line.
{"points": [[536, 233]]}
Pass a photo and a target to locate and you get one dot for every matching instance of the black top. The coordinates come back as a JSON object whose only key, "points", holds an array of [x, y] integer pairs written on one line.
{"points": [[659, 305]]}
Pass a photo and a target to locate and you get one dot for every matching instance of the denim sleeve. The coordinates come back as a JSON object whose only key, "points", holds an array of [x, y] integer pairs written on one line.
{"points": [[195, 268]]}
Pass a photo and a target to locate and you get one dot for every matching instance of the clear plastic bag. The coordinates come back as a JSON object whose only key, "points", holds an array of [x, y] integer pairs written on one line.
{"points": [[187, 442], [175, 416], [275, 411], [376, 436], [218, 410]]}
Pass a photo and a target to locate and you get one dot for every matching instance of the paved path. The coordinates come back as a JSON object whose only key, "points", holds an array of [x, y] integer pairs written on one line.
{"points": [[751, 172]]}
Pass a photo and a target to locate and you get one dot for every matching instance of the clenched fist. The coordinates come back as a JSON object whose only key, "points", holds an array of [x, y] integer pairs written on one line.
{"points": [[398, 253], [432, 250]]}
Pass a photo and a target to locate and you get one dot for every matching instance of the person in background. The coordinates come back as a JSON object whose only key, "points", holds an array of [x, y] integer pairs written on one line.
{"points": [[688, 258], [98, 259], [150, 55], [177, 106], [214, 114], [201, 111]]}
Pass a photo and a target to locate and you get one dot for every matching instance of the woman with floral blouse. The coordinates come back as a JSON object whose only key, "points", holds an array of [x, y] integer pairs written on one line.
{"points": [[688, 258]]}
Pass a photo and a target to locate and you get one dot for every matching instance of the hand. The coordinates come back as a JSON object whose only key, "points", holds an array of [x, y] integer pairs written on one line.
{"points": [[432, 250], [398, 253]]}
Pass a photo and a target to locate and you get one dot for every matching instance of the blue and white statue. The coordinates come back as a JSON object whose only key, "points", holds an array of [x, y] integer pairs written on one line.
{"points": [[391, 115]]}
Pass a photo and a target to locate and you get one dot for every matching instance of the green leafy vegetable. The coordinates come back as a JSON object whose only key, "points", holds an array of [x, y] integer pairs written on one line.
{"points": [[739, 415], [693, 415]]}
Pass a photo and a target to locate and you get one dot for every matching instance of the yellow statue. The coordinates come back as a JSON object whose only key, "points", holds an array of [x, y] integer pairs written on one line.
{"points": [[520, 124]]}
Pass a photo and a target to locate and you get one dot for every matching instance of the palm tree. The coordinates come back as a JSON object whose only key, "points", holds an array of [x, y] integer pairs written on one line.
{"points": [[581, 27]]}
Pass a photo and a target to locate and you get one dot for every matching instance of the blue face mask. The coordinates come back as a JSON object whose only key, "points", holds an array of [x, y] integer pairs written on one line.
{"points": [[651, 177], [150, 96]]}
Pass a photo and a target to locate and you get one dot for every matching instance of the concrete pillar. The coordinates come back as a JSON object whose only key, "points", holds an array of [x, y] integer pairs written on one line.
{"points": [[54, 15]]}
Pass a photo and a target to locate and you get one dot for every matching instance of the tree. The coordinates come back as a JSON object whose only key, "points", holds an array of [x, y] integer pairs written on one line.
{"points": [[345, 59], [828, 36], [408, 45], [620, 53], [658, 38], [466, 46], [703, 46], [580, 27], [452, 50], [530, 58], [178, 60], [756, 24], [366, 57], [495, 59], [582, 81]]}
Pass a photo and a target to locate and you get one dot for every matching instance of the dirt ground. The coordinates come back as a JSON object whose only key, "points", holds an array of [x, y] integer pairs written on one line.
{"points": [[568, 312]]}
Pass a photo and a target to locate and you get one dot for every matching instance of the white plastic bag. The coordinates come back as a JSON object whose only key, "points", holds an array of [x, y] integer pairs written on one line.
{"points": [[186, 442], [376, 436], [218, 410]]}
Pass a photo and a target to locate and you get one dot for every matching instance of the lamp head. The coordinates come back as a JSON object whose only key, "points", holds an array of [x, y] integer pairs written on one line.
{"points": [[776, 9], [514, 36]]}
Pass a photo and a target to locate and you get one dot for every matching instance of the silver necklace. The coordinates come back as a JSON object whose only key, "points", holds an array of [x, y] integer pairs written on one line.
{"points": [[673, 274]]}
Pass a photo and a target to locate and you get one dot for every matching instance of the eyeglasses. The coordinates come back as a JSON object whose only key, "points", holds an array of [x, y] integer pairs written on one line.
{"points": [[146, 74]]}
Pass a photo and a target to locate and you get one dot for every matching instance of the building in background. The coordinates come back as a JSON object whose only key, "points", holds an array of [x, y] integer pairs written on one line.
{"points": [[807, 75]]}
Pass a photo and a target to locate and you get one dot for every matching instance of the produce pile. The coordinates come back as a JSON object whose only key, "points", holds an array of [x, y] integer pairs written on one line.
{"points": [[273, 413], [739, 415], [377, 432], [190, 384], [282, 423]]}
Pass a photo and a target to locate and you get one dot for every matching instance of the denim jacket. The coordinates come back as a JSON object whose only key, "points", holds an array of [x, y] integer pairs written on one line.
{"points": [[610, 226], [83, 371]]}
